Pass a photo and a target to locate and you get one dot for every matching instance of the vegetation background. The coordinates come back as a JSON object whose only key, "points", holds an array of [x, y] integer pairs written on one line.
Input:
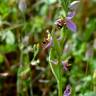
{"points": [[24, 29]]}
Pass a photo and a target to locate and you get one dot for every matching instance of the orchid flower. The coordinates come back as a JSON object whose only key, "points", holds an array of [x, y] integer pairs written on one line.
{"points": [[66, 65], [67, 91], [67, 21], [49, 44]]}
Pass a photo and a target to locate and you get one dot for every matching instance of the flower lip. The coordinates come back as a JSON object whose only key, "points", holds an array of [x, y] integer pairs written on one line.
{"points": [[67, 91], [60, 22]]}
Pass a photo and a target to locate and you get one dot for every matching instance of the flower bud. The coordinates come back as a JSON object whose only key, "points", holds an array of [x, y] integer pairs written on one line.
{"points": [[74, 5], [22, 5]]}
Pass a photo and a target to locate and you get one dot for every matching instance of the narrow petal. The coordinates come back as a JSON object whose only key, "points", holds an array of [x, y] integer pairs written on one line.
{"points": [[70, 15], [71, 25], [74, 4]]}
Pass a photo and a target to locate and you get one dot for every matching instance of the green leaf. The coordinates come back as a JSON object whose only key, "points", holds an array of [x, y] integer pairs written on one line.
{"points": [[7, 48], [90, 94], [91, 26], [10, 38], [24, 71], [1, 58], [56, 46], [54, 67], [52, 1]]}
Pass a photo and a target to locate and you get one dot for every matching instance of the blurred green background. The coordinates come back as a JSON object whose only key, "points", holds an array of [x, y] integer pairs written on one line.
{"points": [[24, 68]]}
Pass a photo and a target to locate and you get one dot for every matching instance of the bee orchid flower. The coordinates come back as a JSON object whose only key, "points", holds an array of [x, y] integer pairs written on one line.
{"points": [[67, 22], [67, 91]]}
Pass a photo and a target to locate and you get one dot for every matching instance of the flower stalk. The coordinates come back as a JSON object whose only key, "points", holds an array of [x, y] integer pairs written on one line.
{"points": [[55, 55]]}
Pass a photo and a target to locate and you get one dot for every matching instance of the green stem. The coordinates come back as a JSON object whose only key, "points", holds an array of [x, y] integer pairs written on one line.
{"points": [[60, 81], [60, 88]]}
